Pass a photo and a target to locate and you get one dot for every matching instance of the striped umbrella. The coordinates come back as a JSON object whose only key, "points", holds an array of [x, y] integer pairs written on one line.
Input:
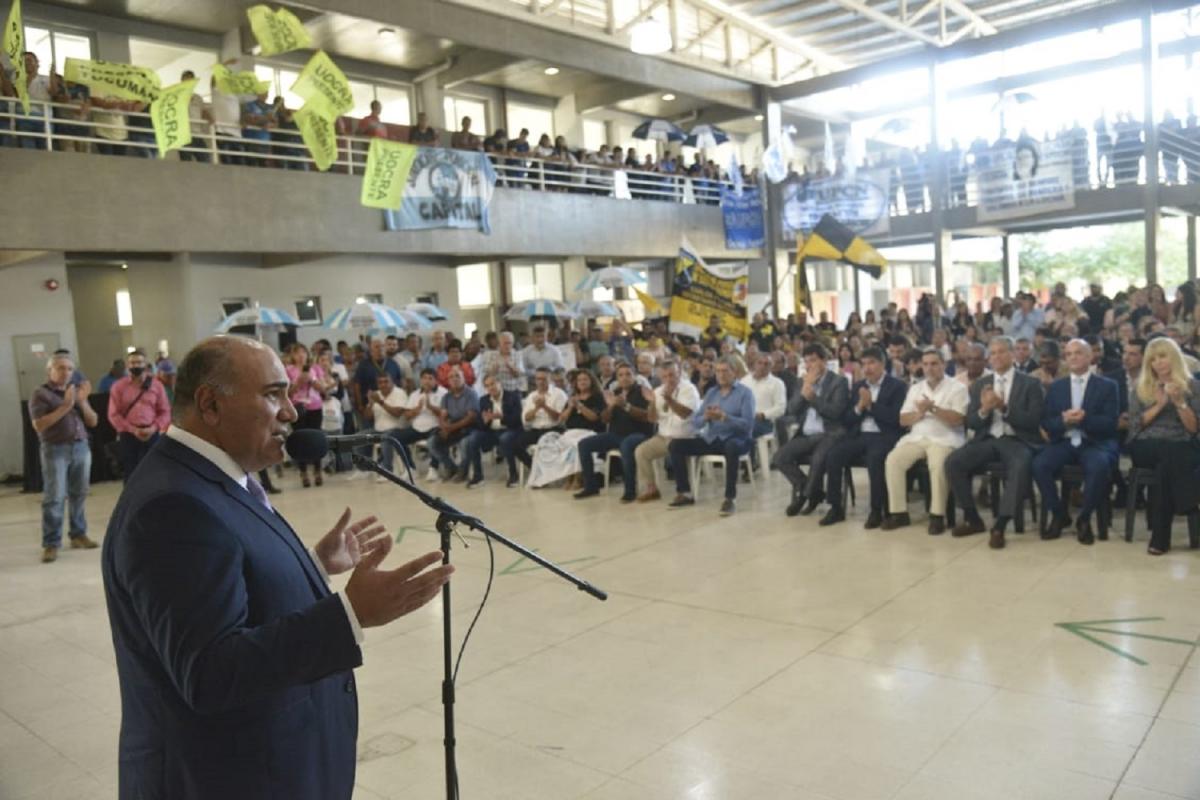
{"points": [[611, 278], [364, 316], [257, 316], [706, 137], [659, 129], [413, 322], [590, 309], [427, 310], [540, 308]]}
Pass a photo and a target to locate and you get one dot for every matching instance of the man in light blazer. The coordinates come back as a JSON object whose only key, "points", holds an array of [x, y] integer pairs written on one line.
{"points": [[234, 658], [819, 405], [1005, 415]]}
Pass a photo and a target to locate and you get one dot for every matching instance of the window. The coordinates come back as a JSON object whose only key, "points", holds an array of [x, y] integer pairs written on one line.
{"points": [[124, 309], [397, 107], [171, 61], [369, 297], [474, 285], [595, 133], [537, 119], [536, 282], [53, 46], [232, 305], [308, 310], [456, 108]]}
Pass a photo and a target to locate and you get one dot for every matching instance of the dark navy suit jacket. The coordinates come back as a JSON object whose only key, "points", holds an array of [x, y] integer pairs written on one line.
{"points": [[1102, 407], [885, 410], [234, 658]]}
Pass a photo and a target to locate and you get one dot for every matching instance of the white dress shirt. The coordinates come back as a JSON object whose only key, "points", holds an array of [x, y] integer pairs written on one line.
{"points": [[949, 395], [381, 420], [1002, 385], [670, 424], [223, 462], [869, 425], [1078, 389], [813, 424], [556, 399], [427, 419], [770, 395]]}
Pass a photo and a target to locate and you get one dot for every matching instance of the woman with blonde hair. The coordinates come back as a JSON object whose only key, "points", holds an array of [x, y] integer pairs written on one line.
{"points": [[1164, 416]]}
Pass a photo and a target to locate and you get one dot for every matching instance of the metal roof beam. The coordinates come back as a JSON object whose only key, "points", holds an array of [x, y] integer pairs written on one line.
{"points": [[887, 21]]}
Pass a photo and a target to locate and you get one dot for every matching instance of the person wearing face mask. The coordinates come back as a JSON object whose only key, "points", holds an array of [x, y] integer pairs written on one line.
{"points": [[138, 410]]}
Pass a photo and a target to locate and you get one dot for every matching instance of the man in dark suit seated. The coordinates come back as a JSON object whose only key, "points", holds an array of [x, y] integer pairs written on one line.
{"points": [[872, 429], [1005, 415], [233, 656], [1132, 354], [818, 407], [1080, 424]]}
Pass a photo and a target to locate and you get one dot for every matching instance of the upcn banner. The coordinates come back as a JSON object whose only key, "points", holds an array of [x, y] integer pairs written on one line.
{"points": [[446, 189], [861, 204], [698, 293], [1023, 179], [743, 216]]}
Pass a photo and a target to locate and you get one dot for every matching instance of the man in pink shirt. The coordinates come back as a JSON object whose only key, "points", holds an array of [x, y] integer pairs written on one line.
{"points": [[138, 410]]}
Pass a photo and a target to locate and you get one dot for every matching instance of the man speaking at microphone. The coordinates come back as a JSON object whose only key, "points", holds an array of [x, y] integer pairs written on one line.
{"points": [[234, 657]]}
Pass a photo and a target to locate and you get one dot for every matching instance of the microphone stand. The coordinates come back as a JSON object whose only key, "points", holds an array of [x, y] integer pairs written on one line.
{"points": [[448, 517]]}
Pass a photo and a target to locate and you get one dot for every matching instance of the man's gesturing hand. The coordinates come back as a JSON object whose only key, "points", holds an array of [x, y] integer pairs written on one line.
{"points": [[341, 549], [379, 596]]}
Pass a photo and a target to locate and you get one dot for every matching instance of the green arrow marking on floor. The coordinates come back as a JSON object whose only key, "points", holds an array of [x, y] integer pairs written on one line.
{"points": [[514, 567], [404, 529], [1085, 628]]}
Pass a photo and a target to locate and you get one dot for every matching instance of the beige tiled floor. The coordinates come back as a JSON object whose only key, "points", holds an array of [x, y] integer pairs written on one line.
{"points": [[754, 656]]}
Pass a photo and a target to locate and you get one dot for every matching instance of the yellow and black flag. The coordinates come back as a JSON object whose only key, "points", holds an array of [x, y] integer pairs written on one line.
{"points": [[801, 294], [833, 241]]}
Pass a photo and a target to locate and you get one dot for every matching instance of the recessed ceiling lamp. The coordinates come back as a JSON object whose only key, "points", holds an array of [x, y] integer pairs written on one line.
{"points": [[550, 70], [668, 97], [650, 38], [758, 117], [387, 33]]}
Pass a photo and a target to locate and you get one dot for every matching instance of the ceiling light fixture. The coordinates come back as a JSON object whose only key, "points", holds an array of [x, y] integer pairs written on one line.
{"points": [[387, 33], [668, 97], [758, 117], [650, 38], [551, 70]]}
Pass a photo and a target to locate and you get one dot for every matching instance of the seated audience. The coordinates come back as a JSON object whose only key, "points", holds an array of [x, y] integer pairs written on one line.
{"points": [[458, 414], [499, 425], [626, 416]]}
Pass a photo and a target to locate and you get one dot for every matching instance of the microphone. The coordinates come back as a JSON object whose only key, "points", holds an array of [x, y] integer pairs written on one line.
{"points": [[311, 444]]}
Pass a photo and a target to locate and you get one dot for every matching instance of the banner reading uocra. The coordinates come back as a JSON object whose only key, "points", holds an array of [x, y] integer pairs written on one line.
{"points": [[860, 204], [446, 189], [698, 293]]}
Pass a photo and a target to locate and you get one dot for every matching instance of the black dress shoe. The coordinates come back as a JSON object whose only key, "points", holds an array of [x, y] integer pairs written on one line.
{"points": [[873, 520], [937, 525], [894, 521], [1056, 528], [832, 517], [1083, 532], [813, 502], [585, 493], [968, 527], [996, 542], [794, 507]]}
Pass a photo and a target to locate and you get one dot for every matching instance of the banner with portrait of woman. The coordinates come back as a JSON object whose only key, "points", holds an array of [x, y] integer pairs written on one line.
{"points": [[1025, 178]]}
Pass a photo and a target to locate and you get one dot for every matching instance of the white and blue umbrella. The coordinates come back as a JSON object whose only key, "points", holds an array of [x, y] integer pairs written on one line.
{"points": [[706, 137], [659, 129], [531, 309], [590, 309], [367, 316], [427, 310], [611, 278], [257, 316], [413, 323]]}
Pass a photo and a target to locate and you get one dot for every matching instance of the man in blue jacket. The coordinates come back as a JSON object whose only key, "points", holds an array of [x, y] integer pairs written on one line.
{"points": [[723, 425], [233, 656], [499, 424], [1080, 422], [872, 430]]}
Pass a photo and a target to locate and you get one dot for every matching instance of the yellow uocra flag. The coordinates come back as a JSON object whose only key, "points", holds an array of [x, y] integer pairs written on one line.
{"points": [[388, 165], [324, 87], [277, 31], [243, 84], [169, 114], [652, 306], [319, 136], [110, 79], [14, 48]]}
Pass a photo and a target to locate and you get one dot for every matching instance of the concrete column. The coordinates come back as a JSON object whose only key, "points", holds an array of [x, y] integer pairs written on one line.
{"points": [[154, 320], [1149, 69], [1191, 247], [1011, 264], [775, 250], [937, 187], [112, 47], [864, 294], [567, 122], [430, 100]]}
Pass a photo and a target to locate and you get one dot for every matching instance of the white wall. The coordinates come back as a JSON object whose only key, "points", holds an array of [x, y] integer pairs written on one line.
{"points": [[27, 307]]}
